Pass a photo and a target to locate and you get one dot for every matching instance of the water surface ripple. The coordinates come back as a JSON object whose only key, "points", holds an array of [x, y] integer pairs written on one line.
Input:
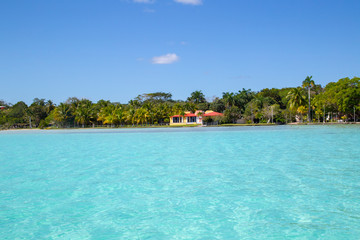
{"points": [[283, 182]]}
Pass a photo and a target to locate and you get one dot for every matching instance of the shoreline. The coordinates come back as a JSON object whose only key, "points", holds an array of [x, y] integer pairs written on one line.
{"points": [[188, 126]]}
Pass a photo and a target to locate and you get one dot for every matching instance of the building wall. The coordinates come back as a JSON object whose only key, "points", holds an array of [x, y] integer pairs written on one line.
{"points": [[180, 123], [185, 121]]}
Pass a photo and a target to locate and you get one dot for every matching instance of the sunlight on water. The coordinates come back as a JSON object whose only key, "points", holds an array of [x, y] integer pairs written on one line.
{"points": [[300, 182]]}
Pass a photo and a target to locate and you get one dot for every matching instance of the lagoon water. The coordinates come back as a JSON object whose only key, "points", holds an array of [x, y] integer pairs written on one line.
{"points": [[283, 182]]}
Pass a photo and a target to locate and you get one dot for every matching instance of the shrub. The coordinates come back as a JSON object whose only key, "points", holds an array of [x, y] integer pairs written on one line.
{"points": [[43, 124]]}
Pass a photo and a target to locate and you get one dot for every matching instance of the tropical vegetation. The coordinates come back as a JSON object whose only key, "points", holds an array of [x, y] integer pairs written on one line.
{"points": [[310, 102]]}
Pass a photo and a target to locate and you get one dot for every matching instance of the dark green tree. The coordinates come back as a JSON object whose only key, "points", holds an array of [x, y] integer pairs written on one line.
{"points": [[197, 97], [308, 83], [232, 114], [217, 105]]}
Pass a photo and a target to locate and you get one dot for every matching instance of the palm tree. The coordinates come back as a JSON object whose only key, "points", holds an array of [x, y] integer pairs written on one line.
{"points": [[197, 97], [110, 119], [135, 104], [84, 112], [141, 115], [302, 111], [119, 113], [163, 112], [104, 113], [229, 99], [62, 113], [131, 115], [73, 102], [308, 83], [296, 99], [101, 116], [189, 106], [150, 108], [49, 106]]}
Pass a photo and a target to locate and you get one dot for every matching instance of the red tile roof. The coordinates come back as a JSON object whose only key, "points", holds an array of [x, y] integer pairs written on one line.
{"points": [[186, 115], [212, 114]]}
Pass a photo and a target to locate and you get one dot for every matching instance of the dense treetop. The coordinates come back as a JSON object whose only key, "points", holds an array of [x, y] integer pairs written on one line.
{"points": [[337, 101]]}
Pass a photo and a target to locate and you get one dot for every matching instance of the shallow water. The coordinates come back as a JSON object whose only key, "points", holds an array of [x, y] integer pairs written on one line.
{"points": [[283, 182]]}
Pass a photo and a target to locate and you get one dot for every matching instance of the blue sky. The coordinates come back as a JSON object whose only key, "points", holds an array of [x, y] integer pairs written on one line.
{"points": [[117, 49]]}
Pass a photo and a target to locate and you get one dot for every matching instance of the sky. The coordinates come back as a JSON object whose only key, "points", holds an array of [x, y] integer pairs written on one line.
{"points": [[118, 49]]}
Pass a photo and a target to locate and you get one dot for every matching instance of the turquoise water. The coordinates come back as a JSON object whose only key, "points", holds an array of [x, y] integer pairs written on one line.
{"points": [[283, 182]]}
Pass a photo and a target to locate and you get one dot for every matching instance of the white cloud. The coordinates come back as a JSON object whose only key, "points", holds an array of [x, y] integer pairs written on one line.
{"points": [[165, 59], [191, 2]]}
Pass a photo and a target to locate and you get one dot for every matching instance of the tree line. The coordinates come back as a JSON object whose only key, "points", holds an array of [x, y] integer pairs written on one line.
{"points": [[310, 102]]}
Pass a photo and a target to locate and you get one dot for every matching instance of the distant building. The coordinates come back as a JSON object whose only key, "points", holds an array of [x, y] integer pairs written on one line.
{"points": [[192, 118]]}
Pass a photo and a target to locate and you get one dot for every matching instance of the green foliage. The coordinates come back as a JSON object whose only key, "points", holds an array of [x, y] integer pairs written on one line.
{"points": [[283, 95], [340, 99], [84, 113], [197, 97], [61, 114], [214, 120], [232, 114], [189, 106], [217, 105], [344, 95], [308, 83], [229, 99], [18, 112], [272, 94], [156, 97], [43, 124], [3, 118], [295, 99], [239, 99], [203, 106], [243, 97]]}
